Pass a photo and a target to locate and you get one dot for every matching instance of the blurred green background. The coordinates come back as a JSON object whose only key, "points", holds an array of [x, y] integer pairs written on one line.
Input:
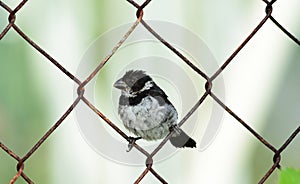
{"points": [[262, 87]]}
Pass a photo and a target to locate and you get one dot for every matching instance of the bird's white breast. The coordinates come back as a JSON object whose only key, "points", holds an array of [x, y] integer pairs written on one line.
{"points": [[148, 117]]}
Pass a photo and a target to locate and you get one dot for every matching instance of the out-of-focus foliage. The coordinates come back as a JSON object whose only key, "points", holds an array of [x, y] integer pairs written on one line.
{"points": [[289, 176]]}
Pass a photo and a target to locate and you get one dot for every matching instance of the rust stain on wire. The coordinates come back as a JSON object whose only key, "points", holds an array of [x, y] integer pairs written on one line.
{"points": [[80, 90], [14, 179], [259, 137], [51, 130], [173, 49], [113, 51]]}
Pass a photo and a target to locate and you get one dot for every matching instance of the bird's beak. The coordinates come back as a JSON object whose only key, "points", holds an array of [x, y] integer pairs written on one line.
{"points": [[120, 84]]}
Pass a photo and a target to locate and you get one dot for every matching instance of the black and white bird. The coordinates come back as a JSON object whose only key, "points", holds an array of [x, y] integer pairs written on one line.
{"points": [[145, 110]]}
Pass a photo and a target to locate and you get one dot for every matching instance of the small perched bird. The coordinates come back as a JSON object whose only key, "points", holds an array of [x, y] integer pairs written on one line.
{"points": [[146, 111]]}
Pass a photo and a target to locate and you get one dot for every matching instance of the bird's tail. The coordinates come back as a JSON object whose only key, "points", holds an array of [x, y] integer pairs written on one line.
{"points": [[180, 139]]}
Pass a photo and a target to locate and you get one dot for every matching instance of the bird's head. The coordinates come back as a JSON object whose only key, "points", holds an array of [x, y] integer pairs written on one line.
{"points": [[134, 82]]}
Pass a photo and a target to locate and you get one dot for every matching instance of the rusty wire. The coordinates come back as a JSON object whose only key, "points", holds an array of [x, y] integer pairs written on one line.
{"points": [[81, 84]]}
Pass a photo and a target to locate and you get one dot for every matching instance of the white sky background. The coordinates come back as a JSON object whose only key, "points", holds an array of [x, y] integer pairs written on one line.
{"points": [[222, 26]]}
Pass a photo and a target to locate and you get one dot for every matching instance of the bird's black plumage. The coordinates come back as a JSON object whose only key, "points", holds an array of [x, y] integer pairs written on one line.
{"points": [[146, 111]]}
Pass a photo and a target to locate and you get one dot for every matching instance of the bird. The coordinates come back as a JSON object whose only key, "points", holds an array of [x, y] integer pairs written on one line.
{"points": [[146, 111]]}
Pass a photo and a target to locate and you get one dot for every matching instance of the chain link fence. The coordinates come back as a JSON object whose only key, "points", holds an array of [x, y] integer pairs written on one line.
{"points": [[21, 160]]}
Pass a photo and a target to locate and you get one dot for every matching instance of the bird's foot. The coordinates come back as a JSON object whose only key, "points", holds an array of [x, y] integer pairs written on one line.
{"points": [[131, 141]]}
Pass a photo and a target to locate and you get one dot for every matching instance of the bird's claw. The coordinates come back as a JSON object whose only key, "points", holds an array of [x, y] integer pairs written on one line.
{"points": [[131, 141]]}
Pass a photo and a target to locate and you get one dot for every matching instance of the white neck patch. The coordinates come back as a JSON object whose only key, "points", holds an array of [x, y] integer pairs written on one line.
{"points": [[147, 86]]}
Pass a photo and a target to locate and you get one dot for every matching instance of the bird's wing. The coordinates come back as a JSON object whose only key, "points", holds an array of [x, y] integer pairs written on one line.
{"points": [[157, 93]]}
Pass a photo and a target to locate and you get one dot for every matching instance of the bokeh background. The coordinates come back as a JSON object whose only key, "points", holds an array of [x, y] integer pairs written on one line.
{"points": [[262, 87]]}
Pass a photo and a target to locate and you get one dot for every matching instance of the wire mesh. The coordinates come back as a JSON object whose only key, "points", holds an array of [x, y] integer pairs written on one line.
{"points": [[21, 160]]}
